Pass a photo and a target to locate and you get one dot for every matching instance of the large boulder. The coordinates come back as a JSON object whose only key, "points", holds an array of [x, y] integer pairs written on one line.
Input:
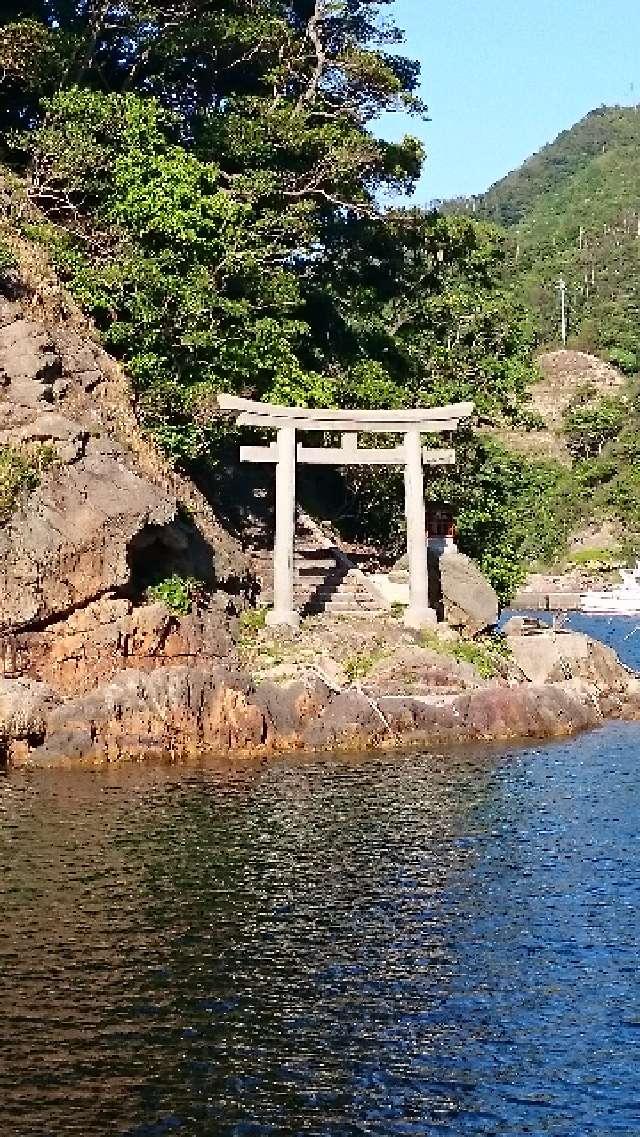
{"points": [[548, 656], [71, 540], [25, 709], [494, 714], [469, 602]]}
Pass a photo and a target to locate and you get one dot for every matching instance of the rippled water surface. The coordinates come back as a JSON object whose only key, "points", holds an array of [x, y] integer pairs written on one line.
{"points": [[402, 945]]}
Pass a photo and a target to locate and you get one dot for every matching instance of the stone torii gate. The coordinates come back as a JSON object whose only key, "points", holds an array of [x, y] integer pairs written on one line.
{"points": [[285, 452]]}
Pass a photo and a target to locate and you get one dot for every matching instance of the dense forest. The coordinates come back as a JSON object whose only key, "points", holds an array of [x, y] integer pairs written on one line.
{"points": [[572, 213], [208, 181]]}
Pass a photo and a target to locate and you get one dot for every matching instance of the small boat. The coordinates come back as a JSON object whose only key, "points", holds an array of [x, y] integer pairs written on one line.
{"points": [[623, 600]]}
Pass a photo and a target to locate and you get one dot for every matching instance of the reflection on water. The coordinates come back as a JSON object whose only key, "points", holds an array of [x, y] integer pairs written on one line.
{"points": [[404, 945]]}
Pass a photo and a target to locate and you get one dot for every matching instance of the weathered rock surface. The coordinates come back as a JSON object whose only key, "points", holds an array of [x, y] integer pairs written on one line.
{"points": [[161, 698], [469, 601], [111, 634], [71, 540], [77, 553], [551, 657], [25, 709], [420, 671], [186, 711], [494, 715]]}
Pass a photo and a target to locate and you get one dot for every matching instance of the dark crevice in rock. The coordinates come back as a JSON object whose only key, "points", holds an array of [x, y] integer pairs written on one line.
{"points": [[160, 551], [61, 616]]}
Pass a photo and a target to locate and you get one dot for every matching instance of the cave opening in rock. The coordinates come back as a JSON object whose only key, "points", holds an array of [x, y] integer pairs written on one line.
{"points": [[159, 552]]}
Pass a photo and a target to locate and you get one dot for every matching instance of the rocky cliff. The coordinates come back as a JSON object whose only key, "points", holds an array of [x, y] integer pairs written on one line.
{"points": [[93, 666], [104, 519]]}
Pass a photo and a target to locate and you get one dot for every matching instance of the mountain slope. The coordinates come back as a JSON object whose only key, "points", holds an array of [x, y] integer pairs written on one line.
{"points": [[573, 211]]}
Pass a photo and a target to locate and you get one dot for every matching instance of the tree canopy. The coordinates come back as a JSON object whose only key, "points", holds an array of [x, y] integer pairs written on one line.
{"points": [[573, 211], [213, 190]]}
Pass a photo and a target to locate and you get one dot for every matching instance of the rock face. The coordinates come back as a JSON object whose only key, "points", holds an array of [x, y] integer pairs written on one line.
{"points": [[469, 602], [112, 634], [552, 657], [187, 711], [420, 671], [25, 709], [78, 552], [71, 540]]}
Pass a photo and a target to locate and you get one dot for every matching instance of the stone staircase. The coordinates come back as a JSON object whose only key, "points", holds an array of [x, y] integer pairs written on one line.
{"points": [[326, 580]]}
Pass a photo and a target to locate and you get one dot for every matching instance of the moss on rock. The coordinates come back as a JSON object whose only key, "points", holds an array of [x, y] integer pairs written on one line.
{"points": [[20, 471]]}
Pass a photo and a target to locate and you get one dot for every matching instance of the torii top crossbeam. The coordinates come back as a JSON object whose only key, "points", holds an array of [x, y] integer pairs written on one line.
{"points": [[429, 420], [349, 423]]}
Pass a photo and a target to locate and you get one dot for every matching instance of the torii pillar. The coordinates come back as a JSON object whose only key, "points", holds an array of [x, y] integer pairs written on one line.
{"points": [[418, 614], [283, 613]]}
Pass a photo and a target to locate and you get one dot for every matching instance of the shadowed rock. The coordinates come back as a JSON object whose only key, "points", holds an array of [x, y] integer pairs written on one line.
{"points": [[468, 600]]}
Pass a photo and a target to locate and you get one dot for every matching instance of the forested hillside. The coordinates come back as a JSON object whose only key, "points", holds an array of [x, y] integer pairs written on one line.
{"points": [[573, 211]]}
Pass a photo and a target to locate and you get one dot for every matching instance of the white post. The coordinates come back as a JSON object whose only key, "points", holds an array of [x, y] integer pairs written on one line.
{"points": [[418, 614], [283, 612], [562, 287]]}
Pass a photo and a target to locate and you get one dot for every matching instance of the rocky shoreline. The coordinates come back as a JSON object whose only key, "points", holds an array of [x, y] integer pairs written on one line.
{"points": [[412, 696], [96, 666]]}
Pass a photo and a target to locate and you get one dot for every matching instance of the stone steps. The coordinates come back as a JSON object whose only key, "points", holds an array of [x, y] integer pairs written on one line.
{"points": [[325, 581]]}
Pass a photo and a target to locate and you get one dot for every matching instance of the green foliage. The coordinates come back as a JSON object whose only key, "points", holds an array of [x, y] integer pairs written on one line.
{"points": [[588, 428], [488, 654], [176, 592], [253, 619], [484, 655], [222, 225], [573, 212], [20, 472], [33, 57], [609, 486], [600, 560], [8, 261], [195, 293], [357, 667], [626, 361], [512, 513]]}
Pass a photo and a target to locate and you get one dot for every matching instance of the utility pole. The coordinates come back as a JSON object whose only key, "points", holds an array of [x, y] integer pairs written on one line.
{"points": [[562, 288]]}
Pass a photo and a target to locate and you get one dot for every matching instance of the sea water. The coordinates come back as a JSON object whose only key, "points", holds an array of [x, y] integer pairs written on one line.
{"points": [[415, 944]]}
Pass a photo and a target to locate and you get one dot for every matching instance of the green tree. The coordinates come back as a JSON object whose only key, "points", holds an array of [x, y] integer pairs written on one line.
{"points": [[588, 428], [213, 179]]}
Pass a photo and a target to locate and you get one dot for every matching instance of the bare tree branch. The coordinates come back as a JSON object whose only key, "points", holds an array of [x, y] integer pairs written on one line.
{"points": [[314, 35]]}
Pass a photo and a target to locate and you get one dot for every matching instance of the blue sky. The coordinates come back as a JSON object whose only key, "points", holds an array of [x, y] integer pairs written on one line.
{"points": [[502, 77]]}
